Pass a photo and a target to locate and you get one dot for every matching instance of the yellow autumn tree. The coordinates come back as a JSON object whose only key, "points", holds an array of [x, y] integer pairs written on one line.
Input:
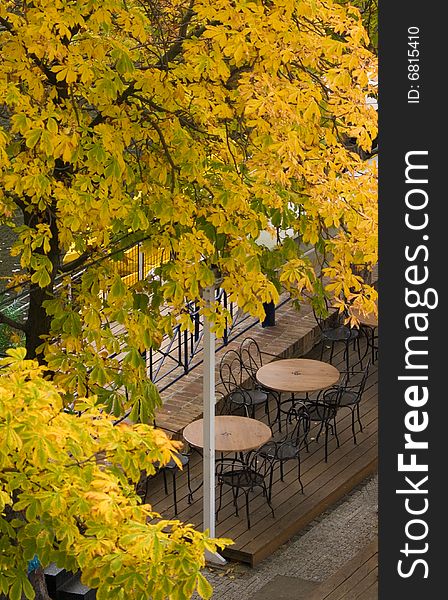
{"points": [[67, 494], [192, 126]]}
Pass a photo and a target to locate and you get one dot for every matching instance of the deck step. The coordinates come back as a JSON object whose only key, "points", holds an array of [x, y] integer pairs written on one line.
{"points": [[73, 589], [64, 585], [55, 577]]}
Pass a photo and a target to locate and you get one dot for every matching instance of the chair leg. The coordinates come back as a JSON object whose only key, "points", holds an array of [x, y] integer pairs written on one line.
{"points": [[322, 349], [220, 500], [247, 509], [353, 426], [270, 505], [334, 431], [281, 470], [174, 490], [190, 493], [165, 483], [235, 500], [359, 417], [267, 411], [347, 356], [358, 347], [299, 473], [320, 431], [271, 476], [326, 443]]}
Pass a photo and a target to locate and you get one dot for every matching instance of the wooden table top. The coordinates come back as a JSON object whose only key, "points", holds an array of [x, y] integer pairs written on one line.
{"points": [[297, 375], [365, 319], [232, 434]]}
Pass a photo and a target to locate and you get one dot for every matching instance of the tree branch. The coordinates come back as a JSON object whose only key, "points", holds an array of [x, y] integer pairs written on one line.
{"points": [[12, 323], [75, 263], [120, 99], [176, 48], [166, 151]]}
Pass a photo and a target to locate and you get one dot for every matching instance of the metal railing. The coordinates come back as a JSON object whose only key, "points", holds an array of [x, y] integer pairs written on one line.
{"points": [[183, 351], [179, 353]]}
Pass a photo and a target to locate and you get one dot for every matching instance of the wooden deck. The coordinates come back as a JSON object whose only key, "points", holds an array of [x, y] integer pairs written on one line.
{"points": [[356, 580], [324, 484]]}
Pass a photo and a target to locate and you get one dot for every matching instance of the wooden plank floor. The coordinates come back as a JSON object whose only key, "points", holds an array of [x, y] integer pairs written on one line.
{"points": [[324, 483], [356, 580]]}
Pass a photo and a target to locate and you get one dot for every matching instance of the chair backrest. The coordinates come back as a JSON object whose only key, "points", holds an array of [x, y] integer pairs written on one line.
{"points": [[297, 426], [231, 371], [244, 471], [324, 411], [321, 319], [362, 385], [251, 358], [261, 465]]}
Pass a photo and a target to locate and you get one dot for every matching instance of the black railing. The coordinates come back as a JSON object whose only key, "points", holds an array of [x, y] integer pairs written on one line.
{"points": [[178, 354], [183, 351]]}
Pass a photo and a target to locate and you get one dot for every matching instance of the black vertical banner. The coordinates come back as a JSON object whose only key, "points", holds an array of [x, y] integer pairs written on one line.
{"points": [[413, 167]]}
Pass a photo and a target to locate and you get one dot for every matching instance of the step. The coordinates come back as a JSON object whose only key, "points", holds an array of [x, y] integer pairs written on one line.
{"points": [[75, 590], [55, 577]]}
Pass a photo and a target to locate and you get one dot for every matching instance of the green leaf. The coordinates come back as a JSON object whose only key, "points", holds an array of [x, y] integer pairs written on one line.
{"points": [[28, 589], [133, 416], [205, 590], [15, 591], [118, 288], [32, 137], [41, 277]]}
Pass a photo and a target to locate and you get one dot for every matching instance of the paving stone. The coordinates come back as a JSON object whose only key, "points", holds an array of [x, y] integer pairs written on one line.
{"points": [[315, 554], [282, 587]]}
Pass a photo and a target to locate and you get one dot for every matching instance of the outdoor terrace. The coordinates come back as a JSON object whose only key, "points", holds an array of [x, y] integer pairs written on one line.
{"points": [[324, 483]]}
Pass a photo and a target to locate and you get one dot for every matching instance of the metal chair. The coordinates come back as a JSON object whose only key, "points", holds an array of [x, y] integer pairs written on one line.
{"points": [[290, 445], [324, 412], [231, 375], [244, 477], [172, 467], [349, 396], [337, 333], [251, 361]]}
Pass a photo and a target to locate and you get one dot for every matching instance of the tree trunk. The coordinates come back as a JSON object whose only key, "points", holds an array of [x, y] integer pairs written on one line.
{"points": [[39, 323], [37, 579]]}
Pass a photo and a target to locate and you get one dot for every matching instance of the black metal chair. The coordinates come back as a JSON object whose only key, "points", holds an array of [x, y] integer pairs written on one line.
{"points": [[172, 467], [290, 445], [251, 361], [347, 395], [339, 332], [244, 477], [231, 375], [324, 412], [371, 334]]}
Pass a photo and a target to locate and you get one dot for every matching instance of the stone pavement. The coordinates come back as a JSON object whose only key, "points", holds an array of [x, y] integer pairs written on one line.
{"points": [[296, 569]]}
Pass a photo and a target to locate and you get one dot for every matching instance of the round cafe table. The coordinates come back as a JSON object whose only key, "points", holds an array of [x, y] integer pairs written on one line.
{"points": [[232, 434], [296, 375]]}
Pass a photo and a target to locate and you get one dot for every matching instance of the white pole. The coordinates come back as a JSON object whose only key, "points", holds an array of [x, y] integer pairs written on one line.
{"points": [[209, 429], [209, 418]]}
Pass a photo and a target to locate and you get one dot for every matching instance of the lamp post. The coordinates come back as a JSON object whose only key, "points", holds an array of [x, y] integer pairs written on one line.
{"points": [[209, 427]]}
